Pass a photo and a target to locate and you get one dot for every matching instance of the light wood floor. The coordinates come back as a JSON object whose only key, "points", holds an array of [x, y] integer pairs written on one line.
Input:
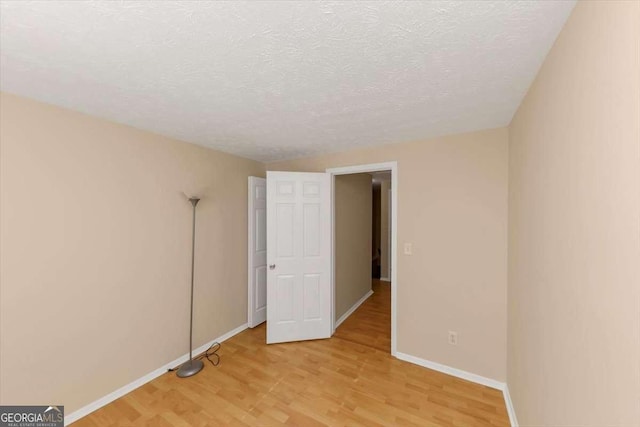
{"points": [[370, 325], [348, 380]]}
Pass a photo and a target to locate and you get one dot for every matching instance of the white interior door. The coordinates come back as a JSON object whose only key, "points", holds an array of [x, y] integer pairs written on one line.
{"points": [[257, 291], [298, 256]]}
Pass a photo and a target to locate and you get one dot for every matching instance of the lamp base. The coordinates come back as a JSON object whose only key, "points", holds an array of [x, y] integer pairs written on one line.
{"points": [[190, 368]]}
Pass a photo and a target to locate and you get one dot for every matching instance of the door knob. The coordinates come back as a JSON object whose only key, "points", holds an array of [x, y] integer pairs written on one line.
{"points": [[272, 266]]}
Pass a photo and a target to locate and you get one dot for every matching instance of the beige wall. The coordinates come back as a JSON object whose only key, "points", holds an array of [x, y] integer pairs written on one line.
{"points": [[376, 223], [385, 246], [95, 252], [353, 216], [452, 196], [574, 230]]}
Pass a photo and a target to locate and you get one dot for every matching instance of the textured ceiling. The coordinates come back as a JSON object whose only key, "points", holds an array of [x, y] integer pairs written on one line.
{"points": [[276, 80]]}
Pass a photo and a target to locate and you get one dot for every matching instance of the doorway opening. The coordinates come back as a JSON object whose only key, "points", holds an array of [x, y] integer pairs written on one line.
{"points": [[365, 250], [381, 226]]}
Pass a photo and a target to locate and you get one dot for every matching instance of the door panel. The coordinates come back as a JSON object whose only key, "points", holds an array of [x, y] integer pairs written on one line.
{"points": [[311, 297], [298, 252], [285, 297], [311, 224], [261, 289], [285, 214], [261, 230]]}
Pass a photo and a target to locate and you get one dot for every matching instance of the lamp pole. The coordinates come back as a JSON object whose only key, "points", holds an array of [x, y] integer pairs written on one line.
{"points": [[191, 367]]}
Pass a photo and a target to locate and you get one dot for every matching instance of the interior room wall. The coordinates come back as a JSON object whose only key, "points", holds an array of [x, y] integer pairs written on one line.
{"points": [[353, 206], [574, 227], [375, 231], [385, 243], [452, 206], [95, 248]]}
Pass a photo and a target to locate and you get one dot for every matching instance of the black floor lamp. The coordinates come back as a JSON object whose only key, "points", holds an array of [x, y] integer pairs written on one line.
{"points": [[191, 367]]}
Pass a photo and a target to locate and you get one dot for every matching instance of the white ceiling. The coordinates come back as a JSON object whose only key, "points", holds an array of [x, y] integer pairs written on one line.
{"points": [[276, 80]]}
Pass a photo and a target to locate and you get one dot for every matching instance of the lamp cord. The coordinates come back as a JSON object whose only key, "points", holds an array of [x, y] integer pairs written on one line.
{"points": [[212, 352]]}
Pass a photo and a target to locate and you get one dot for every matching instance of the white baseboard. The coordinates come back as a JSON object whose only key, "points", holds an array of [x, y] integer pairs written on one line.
{"points": [[353, 308], [510, 409], [478, 379], [97, 404], [384, 279], [452, 371]]}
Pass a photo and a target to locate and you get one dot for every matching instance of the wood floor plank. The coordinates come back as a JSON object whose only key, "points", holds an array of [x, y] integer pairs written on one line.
{"points": [[348, 380]]}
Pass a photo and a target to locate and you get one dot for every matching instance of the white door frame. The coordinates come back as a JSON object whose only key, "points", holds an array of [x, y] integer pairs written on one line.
{"points": [[389, 233], [373, 167]]}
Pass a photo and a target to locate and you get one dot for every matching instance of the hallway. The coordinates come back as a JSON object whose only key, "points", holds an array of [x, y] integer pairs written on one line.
{"points": [[370, 324]]}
